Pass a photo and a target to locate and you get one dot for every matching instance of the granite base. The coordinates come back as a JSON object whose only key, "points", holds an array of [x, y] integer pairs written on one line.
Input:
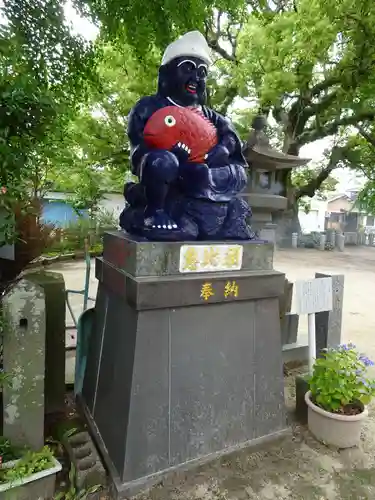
{"points": [[175, 377]]}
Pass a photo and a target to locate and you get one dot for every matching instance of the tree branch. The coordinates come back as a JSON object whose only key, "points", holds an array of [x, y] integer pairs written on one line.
{"points": [[230, 94], [313, 185], [325, 84], [214, 45], [322, 105], [213, 35], [366, 135], [313, 134]]}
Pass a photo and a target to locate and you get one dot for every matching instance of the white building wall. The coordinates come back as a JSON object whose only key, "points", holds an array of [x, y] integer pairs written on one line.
{"points": [[313, 220]]}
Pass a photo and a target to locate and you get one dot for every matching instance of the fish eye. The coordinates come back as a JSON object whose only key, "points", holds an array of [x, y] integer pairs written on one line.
{"points": [[170, 121]]}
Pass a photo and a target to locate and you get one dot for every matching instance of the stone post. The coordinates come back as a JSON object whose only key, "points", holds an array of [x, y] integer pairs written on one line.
{"points": [[294, 240], [332, 238], [53, 285], [340, 239], [328, 323], [322, 242], [24, 361], [371, 239], [328, 334]]}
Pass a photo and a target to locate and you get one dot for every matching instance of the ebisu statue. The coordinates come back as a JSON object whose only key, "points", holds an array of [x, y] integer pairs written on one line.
{"points": [[187, 157]]}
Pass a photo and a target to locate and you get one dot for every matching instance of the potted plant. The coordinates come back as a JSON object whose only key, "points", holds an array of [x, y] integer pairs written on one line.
{"points": [[30, 477], [339, 391]]}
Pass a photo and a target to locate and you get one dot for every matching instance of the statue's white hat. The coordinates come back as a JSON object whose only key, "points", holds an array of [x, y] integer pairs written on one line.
{"points": [[192, 44]]}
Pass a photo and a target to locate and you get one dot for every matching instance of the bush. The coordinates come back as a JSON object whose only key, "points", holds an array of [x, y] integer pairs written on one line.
{"points": [[340, 380], [73, 238]]}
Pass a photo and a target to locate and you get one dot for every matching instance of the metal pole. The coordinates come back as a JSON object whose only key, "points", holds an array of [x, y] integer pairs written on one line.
{"points": [[87, 277], [312, 340]]}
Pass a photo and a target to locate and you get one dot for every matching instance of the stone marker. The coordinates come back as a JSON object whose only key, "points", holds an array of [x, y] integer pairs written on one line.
{"points": [[289, 321], [53, 285], [289, 328], [328, 323], [340, 241], [322, 242], [327, 333], [24, 360], [331, 237], [294, 240]]}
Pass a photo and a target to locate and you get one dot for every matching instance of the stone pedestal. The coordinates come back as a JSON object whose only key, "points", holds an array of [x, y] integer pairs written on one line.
{"points": [[183, 365], [263, 205]]}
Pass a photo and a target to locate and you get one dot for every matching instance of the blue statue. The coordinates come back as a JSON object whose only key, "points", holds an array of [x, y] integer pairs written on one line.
{"points": [[182, 196]]}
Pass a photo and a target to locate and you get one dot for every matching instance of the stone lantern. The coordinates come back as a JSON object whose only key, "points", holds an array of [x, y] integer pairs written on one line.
{"points": [[265, 191]]}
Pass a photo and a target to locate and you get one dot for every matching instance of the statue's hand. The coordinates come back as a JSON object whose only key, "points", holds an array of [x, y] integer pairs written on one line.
{"points": [[182, 152], [218, 156]]}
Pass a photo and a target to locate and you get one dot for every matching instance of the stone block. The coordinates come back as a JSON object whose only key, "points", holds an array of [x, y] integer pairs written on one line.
{"points": [[289, 328], [24, 360], [351, 238], [328, 324], [143, 258], [294, 240], [85, 459], [268, 233], [340, 242], [322, 242], [182, 368], [53, 285]]}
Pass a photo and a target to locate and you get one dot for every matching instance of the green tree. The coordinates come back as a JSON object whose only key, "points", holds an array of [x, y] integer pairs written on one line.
{"points": [[362, 159], [43, 75], [95, 145]]}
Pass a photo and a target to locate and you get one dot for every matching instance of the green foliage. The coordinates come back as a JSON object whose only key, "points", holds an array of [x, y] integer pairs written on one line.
{"points": [[306, 174], [9, 452], [339, 379], [85, 231], [308, 63], [30, 463], [158, 23], [95, 147], [362, 159], [73, 493], [44, 71]]}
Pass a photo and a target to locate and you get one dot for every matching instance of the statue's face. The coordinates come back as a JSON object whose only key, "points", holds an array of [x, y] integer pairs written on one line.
{"points": [[187, 80]]}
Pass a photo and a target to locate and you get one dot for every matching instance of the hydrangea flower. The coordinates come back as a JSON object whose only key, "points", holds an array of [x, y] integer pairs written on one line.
{"points": [[340, 378]]}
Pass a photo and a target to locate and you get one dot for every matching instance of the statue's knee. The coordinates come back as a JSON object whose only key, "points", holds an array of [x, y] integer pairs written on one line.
{"points": [[160, 166]]}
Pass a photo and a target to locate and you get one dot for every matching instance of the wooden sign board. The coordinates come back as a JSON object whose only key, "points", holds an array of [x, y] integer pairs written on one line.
{"points": [[313, 296]]}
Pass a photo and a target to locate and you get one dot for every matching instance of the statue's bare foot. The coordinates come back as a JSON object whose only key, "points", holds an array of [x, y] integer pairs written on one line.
{"points": [[159, 226]]}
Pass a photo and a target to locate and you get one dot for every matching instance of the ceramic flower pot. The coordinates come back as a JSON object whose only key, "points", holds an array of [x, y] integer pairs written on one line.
{"points": [[343, 431]]}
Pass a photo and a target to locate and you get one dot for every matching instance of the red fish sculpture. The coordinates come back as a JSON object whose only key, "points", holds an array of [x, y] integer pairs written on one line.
{"points": [[188, 126]]}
